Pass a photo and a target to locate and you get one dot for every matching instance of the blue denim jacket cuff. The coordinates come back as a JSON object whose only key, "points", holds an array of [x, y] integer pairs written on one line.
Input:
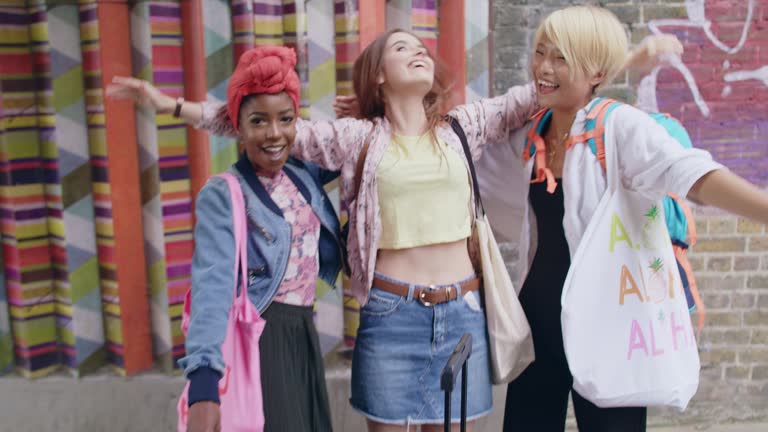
{"points": [[204, 385]]}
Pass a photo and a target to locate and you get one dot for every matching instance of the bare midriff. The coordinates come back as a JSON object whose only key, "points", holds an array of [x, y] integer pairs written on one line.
{"points": [[442, 263]]}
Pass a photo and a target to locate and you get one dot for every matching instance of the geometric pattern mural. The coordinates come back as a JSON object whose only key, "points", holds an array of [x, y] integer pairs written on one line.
{"points": [[26, 253], [97, 151], [219, 63], [116, 189], [319, 96], [175, 195], [165, 181], [268, 21], [97, 145], [73, 236], [424, 21], [242, 26], [70, 297], [399, 14], [347, 32], [418, 16], [6, 337], [322, 59], [294, 18]]}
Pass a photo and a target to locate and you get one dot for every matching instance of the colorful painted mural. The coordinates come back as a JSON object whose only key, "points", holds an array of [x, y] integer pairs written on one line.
{"points": [[96, 196]]}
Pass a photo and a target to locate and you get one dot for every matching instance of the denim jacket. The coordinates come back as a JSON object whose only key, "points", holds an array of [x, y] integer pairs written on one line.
{"points": [[269, 242]]}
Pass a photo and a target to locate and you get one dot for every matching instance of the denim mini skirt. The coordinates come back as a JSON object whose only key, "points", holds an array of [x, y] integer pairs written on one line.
{"points": [[401, 349]]}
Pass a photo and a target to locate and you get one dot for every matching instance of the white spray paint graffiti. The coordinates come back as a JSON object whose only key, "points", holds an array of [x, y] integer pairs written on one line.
{"points": [[646, 94], [760, 74]]}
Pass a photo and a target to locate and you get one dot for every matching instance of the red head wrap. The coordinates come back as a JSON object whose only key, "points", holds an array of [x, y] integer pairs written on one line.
{"points": [[264, 69]]}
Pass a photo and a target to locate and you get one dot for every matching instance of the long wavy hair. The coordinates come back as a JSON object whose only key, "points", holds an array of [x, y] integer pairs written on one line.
{"points": [[368, 67]]}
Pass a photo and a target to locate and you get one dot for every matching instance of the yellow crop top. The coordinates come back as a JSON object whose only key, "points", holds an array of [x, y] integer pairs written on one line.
{"points": [[424, 193]]}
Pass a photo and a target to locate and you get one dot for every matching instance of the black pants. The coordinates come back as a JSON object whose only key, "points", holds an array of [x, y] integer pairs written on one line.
{"points": [[537, 401], [292, 372]]}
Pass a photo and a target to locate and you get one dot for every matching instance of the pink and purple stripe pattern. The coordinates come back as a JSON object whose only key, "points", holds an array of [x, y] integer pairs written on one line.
{"points": [[243, 27], [26, 252], [173, 166], [102, 196], [424, 22]]}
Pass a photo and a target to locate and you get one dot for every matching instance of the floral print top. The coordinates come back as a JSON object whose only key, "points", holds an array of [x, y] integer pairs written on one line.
{"points": [[298, 286]]}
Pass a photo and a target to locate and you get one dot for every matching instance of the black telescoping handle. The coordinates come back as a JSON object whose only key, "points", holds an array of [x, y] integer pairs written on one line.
{"points": [[457, 360]]}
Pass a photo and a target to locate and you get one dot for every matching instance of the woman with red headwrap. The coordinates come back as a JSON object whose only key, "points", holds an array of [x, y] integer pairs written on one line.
{"points": [[293, 239]]}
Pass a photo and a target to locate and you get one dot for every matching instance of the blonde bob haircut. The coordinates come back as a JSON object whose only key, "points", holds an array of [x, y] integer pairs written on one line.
{"points": [[591, 39]]}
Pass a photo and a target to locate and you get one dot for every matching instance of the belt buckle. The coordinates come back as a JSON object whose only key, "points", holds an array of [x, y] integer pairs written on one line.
{"points": [[423, 295]]}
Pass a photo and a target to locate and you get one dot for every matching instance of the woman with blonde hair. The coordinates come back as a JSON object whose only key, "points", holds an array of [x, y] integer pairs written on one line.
{"points": [[410, 217], [578, 51]]}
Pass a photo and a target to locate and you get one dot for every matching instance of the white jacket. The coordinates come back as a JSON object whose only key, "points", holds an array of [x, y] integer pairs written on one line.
{"points": [[652, 163]]}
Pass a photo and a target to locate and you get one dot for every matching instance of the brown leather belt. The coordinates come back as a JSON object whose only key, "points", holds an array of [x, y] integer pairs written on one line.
{"points": [[428, 295]]}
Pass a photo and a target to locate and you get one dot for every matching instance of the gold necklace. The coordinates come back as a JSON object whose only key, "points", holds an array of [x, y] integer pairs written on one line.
{"points": [[554, 148]]}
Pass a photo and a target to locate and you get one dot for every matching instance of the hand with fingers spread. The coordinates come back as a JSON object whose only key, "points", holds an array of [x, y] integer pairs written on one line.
{"points": [[141, 92], [653, 51], [346, 106]]}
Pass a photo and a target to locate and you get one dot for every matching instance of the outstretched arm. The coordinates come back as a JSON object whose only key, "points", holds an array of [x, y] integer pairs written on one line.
{"points": [[328, 144], [211, 116], [725, 190], [493, 118], [654, 163]]}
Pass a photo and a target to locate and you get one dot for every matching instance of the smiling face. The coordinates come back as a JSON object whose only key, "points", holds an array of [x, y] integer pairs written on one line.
{"points": [[558, 85], [578, 50], [267, 130], [407, 66]]}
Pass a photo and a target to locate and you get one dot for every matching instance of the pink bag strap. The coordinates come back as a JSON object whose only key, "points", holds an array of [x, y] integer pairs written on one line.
{"points": [[240, 232]]}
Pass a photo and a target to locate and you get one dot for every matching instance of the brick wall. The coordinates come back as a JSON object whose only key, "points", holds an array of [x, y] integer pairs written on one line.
{"points": [[724, 106]]}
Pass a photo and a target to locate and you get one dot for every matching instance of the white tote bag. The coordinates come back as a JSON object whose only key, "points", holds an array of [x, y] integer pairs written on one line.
{"points": [[509, 335], [626, 327]]}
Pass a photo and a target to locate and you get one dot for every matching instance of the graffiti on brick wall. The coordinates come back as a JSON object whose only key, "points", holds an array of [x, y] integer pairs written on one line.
{"points": [[719, 88]]}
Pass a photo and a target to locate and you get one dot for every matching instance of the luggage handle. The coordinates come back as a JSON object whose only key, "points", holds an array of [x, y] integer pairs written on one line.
{"points": [[457, 360]]}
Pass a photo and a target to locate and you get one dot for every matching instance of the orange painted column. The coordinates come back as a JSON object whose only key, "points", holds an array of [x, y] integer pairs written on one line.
{"points": [[124, 254], [195, 89], [451, 49], [372, 16]]}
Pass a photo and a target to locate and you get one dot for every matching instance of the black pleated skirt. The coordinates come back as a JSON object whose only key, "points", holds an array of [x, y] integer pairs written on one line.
{"points": [[292, 372]]}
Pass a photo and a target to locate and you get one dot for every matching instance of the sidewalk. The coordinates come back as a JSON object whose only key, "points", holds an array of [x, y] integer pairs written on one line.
{"points": [[741, 427], [147, 403]]}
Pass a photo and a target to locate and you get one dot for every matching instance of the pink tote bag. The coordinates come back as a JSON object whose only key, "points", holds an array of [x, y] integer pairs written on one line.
{"points": [[240, 387]]}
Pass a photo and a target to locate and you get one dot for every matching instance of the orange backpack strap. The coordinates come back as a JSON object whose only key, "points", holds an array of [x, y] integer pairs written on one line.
{"points": [[595, 129], [682, 257], [533, 133], [536, 147]]}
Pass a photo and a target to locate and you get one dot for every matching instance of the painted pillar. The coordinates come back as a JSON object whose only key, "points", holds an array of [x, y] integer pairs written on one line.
{"points": [[70, 200], [218, 20], [451, 47], [106, 46], [194, 34], [165, 182], [26, 249]]}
